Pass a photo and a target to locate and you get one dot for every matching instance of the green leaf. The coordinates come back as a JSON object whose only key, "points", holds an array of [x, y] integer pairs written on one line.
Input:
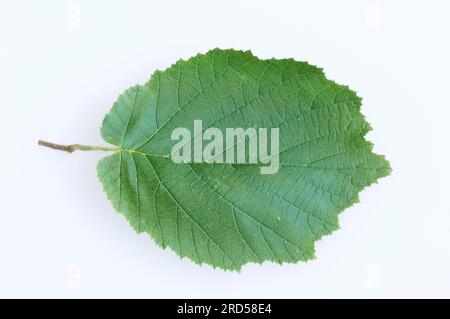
{"points": [[227, 215]]}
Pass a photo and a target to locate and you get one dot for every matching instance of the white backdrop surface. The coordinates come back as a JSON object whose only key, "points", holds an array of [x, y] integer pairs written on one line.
{"points": [[63, 64]]}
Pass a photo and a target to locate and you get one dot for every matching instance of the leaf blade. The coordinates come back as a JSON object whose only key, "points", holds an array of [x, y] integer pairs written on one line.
{"points": [[228, 215]]}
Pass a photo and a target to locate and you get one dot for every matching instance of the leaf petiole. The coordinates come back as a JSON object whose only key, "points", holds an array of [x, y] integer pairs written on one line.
{"points": [[74, 147]]}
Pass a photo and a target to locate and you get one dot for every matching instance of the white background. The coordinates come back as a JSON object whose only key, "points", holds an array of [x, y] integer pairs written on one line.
{"points": [[63, 64]]}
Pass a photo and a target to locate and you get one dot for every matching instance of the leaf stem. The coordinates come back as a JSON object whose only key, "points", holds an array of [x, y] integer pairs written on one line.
{"points": [[72, 148]]}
